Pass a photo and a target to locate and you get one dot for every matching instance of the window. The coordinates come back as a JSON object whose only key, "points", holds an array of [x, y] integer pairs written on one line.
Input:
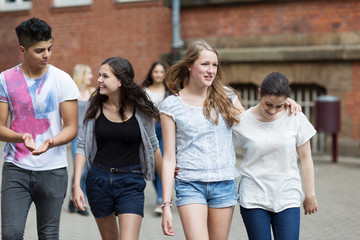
{"points": [[72, 3], [121, 1], [14, 5]]}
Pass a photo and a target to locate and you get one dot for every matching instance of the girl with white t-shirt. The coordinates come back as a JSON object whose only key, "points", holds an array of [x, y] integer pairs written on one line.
{"points": [[270, 187], [155, 88]]}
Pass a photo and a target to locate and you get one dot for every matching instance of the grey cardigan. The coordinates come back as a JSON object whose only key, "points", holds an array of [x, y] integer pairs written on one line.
{"points": [[86, 144]]}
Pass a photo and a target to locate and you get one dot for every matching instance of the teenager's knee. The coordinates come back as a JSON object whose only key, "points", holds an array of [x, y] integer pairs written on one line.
{"points": [[49, 233], [12, 233]]}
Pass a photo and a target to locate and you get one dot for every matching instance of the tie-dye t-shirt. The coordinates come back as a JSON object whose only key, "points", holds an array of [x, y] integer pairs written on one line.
{"points": [[35, 108]]}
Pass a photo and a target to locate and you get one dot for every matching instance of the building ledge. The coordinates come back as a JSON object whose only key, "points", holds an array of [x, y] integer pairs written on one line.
{"points": [[293, 53]]}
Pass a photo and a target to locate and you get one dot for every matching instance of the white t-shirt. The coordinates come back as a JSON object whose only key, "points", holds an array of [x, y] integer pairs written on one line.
{"points": [[269, 172], [35, 108], [155, 97]]}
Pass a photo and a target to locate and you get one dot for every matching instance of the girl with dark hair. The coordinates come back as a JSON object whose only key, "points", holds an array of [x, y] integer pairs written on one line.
{"points": [[154, 86], [270, 187], [119, 145]]}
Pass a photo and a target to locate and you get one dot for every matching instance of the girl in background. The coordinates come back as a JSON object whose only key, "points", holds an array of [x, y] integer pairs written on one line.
{"points": [[82, 76], [156, 89]]}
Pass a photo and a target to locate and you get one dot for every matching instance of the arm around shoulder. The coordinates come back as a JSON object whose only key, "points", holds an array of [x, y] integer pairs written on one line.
{"points": [[239, 107]]}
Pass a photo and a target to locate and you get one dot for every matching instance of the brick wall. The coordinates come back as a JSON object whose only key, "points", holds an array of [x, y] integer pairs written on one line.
{"points": [[139, 32], [261, 19]]}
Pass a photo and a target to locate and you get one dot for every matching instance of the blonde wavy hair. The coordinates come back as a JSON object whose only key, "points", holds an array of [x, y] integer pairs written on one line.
{"points": [[79, 75], [217, 100]]}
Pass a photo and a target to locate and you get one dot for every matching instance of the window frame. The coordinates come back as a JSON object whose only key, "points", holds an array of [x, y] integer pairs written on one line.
{"points": [[18, 5], [133, 1], [71, 3]]}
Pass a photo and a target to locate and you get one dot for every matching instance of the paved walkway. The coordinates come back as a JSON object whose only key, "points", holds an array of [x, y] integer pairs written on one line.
{"points": [[338, 218]]}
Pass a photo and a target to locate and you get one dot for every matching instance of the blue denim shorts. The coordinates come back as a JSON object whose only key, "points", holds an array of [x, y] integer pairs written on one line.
{"points": [[214, 194], [117, 193]]}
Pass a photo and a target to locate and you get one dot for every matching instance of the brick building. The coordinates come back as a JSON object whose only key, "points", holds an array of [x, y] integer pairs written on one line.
{"points": [[315, 43]]}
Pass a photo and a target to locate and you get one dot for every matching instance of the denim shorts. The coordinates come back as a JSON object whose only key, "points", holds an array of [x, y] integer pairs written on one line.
{"points": [[117, 193], [214, 194]]}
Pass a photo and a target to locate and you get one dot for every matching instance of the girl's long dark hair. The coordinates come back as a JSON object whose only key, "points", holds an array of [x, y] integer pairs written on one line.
{"points": [[148, 81], [131, 94]]}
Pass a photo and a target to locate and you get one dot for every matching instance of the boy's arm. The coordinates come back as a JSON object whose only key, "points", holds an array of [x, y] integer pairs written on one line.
{"points": [[69, 113], [6, 134]]}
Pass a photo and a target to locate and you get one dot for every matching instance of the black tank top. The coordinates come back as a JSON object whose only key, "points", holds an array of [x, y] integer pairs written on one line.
{"points": [[118, 143]]}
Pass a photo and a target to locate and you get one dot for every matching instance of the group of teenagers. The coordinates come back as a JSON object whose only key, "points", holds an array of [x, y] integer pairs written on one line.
{"points": [[198, 122]]}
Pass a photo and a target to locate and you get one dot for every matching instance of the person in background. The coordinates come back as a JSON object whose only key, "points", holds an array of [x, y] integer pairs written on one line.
{"points": [[41, 101], [119, 146], [270, 187], [82, 76], [156, 89]]}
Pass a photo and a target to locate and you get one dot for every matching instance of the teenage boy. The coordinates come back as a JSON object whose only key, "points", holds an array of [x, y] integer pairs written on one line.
{"points": [[41, 101]]}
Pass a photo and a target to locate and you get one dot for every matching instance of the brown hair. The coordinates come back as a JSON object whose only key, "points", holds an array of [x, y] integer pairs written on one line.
{"points": [[177, 77]]}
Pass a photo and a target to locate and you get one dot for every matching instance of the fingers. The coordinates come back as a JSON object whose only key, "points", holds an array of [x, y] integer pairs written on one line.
{"points": [[167, 223], [28, 142], [293, 109], [43, 147], [176, 171], [79, 201], [310, 211], [168, 229]]}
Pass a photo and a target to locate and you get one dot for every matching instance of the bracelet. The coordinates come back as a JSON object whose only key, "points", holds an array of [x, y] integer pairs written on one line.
{"points": [[166, 204]]}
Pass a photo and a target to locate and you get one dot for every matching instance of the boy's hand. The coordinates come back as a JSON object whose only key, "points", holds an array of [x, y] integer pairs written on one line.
{"points": [[28, 142], [44, 147]]}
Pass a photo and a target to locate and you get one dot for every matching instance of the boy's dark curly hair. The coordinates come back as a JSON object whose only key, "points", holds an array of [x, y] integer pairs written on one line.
{"points": [[32, 31]]}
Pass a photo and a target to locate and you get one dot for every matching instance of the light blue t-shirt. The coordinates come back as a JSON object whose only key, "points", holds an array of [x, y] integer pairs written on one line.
{"points": [[204, 150]]}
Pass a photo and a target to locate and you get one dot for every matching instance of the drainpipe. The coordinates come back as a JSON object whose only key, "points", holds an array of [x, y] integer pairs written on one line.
{"points": [[176, 41]]}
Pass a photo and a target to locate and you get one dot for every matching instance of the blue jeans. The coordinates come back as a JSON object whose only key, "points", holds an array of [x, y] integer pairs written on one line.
{"points": [[157, 180], [82, 180], [285, 224], [19, 188]]}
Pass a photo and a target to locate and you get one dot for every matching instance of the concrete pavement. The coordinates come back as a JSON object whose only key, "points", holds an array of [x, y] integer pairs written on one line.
{"points": [[338, 218]]}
